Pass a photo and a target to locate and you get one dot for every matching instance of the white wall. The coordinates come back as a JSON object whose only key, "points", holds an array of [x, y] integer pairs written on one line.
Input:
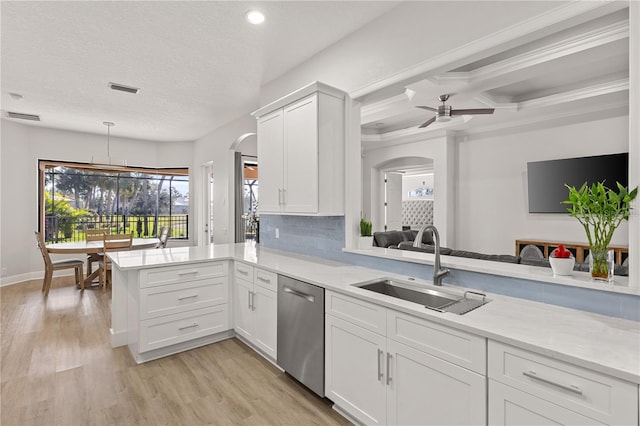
{"points": [[21, 148], [441, 150], [492, 209], [216, 148]]}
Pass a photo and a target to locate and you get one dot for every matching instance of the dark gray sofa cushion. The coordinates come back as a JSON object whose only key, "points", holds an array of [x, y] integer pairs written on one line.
{"points": [[482, 256], [388, 238], [532, 261], [393, 238], [425, 248], [427, 236]]}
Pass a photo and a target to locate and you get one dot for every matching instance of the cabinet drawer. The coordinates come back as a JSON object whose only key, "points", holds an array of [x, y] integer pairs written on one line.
{"points": [[457, 347], [174, 298], [171, 329], [593, 394], [183, 273], [266, 279], [244, 271], [509, 406], [367, 315]]}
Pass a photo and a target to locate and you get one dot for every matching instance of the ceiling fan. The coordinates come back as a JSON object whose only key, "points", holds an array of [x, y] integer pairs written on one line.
{"points": [[445, 112]]}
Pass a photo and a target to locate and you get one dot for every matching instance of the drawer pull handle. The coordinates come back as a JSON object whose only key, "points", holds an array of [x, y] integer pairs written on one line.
{"points": [[191, 296], [264, 280], [380, 373], [181, 274], [195, 324], [570, 388], [299, 294], [243, 272]]}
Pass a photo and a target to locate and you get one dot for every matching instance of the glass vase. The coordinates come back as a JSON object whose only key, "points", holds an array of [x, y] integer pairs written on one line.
{"points": [[601, 263]]}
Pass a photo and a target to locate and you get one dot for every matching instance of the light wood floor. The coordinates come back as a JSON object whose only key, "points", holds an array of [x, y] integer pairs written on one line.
{"points": [[58, 369]]}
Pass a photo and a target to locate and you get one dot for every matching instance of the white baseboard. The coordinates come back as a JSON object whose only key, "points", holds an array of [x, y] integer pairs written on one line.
{"points": [[20, 278], [17, 279], [181, 347], [346, 415], [258, 351], [118, 339]]}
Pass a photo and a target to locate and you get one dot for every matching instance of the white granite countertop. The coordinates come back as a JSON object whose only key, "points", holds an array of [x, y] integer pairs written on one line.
{"points": [[601, 343]]}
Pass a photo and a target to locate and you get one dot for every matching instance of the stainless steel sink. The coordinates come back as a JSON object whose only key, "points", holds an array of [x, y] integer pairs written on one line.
{"points": [[431, 299], [426, 297]]}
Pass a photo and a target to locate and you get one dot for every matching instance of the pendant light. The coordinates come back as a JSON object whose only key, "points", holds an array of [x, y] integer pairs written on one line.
{"points": [[109, 161], [109, 125]]}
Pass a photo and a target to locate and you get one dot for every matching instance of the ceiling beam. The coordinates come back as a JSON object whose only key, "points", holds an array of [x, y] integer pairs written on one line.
{"points": [[620, 85], [493, 75], [531, 29]]}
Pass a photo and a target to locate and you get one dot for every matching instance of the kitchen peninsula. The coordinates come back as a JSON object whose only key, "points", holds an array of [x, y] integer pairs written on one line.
{"points": [[604, 349]]}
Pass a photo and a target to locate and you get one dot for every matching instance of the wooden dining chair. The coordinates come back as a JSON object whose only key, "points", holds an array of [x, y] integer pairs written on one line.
{"points": [[112, 243], [94, 235], [50, 266]]}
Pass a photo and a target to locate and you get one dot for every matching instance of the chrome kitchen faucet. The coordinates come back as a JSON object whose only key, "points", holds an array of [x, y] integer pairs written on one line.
{"points": [[438, 272]]}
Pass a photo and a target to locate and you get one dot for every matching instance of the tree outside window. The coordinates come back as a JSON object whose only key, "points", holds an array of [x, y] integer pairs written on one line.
{"points": [[77, 197]]}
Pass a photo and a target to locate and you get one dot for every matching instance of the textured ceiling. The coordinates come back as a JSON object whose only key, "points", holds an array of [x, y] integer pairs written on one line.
{"points": [[199, 65]]}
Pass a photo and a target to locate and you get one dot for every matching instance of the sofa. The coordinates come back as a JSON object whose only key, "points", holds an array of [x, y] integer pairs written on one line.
{"points": [[391, 239], [403, 240]]}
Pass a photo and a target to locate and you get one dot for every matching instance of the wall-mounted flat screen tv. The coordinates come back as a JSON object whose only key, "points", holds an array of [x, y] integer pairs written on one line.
{"points": [[546, 179]]}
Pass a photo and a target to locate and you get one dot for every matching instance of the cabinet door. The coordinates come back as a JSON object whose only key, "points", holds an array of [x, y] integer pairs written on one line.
{"points": [[300, 157], [510, 406], [354, 373], [270, 154], [266, 320], [426, 390], [242, 313]]}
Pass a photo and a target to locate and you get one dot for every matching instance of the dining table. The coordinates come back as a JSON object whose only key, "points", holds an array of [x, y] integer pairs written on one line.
{"points": [[94, 247]]}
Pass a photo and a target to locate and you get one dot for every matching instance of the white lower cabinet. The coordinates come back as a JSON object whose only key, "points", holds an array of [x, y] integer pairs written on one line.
{"points": [[243, 317], [532, 389], [424, 389], [354, 370], [378, 380], [256, 307], [176, 308]]}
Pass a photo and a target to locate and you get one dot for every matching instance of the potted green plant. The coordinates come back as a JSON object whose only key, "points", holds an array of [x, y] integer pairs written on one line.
{"points": [[366, 240], [600, 210]]}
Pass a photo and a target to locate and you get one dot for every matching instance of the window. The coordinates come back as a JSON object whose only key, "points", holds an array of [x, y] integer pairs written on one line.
{"points": [[250, 202], [75, 197]]}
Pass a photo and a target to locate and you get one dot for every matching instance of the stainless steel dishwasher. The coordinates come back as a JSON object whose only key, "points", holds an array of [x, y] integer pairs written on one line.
{"points": [[301, 332]]}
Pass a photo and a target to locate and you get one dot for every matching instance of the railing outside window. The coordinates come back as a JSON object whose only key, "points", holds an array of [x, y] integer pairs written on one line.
{"points": [[68, 228]]}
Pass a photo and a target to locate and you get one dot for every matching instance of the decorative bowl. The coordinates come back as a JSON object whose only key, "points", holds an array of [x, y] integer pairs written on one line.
{"points": [[562, 265]]}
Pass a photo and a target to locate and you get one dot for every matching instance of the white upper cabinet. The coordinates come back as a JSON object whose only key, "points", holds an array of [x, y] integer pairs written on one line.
{"points": [[301, 152], [271, 161]]}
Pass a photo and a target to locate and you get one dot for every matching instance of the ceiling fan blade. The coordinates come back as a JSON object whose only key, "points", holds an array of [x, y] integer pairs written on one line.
{"points": [[472, 111], [427, 108], [426, 123]]}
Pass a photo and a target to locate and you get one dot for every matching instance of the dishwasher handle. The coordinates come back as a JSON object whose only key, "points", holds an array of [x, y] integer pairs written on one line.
{"points": [[299, 294]]}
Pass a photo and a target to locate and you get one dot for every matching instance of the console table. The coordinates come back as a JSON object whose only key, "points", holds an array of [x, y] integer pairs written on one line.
{"points": [[580, 251]]}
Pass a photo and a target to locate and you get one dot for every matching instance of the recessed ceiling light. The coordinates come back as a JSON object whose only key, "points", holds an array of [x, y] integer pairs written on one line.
{"points": [[255, 17]]}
